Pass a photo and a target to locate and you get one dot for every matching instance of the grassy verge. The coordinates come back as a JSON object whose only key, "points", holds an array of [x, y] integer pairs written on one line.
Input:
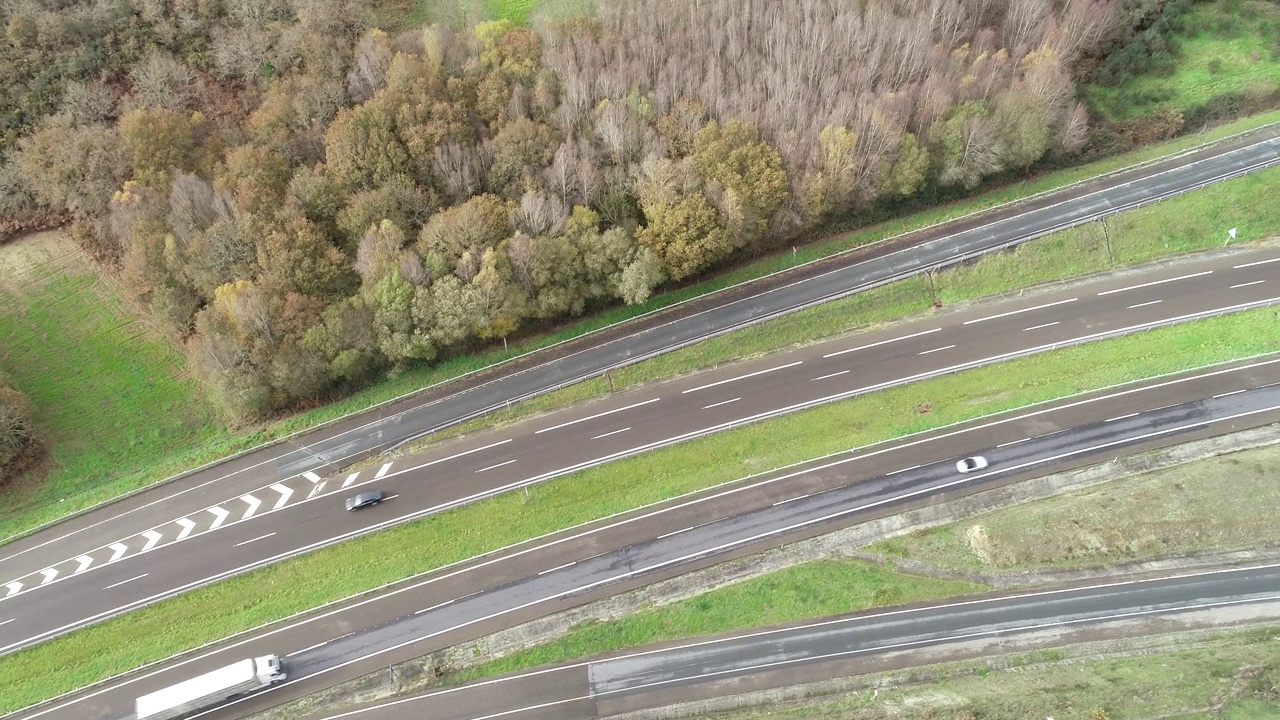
{"points": [[1187, 223], [297, 585], [815, 589], [153, 461], [1230, 677], [1223, 503], [1230, 46]]}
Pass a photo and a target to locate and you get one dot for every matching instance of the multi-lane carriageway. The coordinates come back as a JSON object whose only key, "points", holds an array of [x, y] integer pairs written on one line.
{"points": [[199, 543], [585, 564], [275, 476]]}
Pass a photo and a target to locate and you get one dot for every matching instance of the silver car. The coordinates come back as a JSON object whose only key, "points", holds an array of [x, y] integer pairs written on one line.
{"points": [[970, 464]]}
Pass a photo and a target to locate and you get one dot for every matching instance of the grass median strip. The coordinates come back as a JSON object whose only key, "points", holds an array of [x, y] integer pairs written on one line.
{"points": [[814, 589], [297, 585], [160, 450]]}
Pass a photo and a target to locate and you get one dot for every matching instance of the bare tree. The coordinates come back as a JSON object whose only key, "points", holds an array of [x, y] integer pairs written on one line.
{"points": [[540, 214]]}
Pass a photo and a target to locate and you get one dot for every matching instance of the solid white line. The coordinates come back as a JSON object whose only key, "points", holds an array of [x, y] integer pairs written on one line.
{"points": [[895, 472], [309, 647], [437, 606], [677, 532], [126, 581], [495, 466], [260, 537], [1038, 327], [455, 456], [1122, 417], [1156, 282], [558, 567], [1259, 262], [1016, 312], [615, 432], [722, 402], [798, 497], [597, 415], [381, 471], [1014, 442], [6, 622], [1233, 392], [882, 342], [926, 352], [1153, 302], [1255, 282], [741, 377], [834, 374]]}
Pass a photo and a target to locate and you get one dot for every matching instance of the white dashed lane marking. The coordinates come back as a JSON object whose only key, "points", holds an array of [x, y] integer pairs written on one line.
{"points": [[350, 479], [382, 471]]}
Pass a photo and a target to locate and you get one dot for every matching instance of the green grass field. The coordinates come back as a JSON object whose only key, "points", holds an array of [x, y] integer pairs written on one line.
{"points": [[815, 589], [111, 394], [296, 585], [1230, 46]]}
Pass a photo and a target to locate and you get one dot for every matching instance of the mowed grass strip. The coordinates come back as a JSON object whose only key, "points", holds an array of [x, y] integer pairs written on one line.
{"points": [[1215, 504], [85, 477], [297, 585], [814, 589]]}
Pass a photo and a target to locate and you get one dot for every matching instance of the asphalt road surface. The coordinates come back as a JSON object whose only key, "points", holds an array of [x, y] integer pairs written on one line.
{"points": [[184, 551], [646, 678], [578, 567], [278, 474]]}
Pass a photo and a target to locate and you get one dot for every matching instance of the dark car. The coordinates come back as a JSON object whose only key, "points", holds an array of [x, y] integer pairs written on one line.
{"points": [[365, 499]]}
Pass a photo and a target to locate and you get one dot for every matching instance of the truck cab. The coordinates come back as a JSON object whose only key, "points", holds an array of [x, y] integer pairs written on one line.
{"points": [[270, 669]]}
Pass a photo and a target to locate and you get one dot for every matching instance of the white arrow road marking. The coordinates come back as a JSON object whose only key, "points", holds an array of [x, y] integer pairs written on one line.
{"points": [[350, 479], [14, 587], [311, 476], [117, 551], [253, 506], [382, 471], [219, 516], [152, 537], [285, 492], [49, 574], [85, 561], [187, 526]]}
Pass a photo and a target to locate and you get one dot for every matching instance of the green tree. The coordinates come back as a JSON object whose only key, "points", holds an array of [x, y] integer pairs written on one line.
{"points": [[346, 338], [521, 151], [685, 236], [750, 171], [909, 170], [509, 49], [400, 337], [361, 146], [163, 142], [478, 224], [640, 277]]}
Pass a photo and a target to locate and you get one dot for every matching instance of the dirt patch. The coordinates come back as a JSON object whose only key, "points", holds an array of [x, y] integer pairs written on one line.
{"points": [[1226, 502], [35, 259]]}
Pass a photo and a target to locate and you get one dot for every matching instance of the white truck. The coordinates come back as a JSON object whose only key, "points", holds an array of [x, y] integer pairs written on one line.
{"points": [[210, 688]]}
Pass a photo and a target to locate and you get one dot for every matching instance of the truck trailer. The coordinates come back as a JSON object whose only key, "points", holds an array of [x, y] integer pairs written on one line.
{"points": [[210, 689]]}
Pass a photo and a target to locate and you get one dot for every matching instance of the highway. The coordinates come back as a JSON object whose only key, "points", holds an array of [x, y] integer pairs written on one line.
{"points": [[589, 563], [648, 678], [296, 463], [189, 550], [266, 524]]}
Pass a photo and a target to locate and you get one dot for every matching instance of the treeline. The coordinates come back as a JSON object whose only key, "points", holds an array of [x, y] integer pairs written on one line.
{"points": [[308, 204], [20, 443]]}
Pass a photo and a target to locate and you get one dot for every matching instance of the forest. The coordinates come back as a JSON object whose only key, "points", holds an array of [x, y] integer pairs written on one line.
{"points": [[307, 201]]}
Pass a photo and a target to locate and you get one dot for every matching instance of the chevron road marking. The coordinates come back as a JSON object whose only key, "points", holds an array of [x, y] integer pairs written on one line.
{"points": [[117, 551], [14, 587], [285, 492], [187, 526], [152, 537], [85, 561], [253, 506], [219, 516], [49, 574]]}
